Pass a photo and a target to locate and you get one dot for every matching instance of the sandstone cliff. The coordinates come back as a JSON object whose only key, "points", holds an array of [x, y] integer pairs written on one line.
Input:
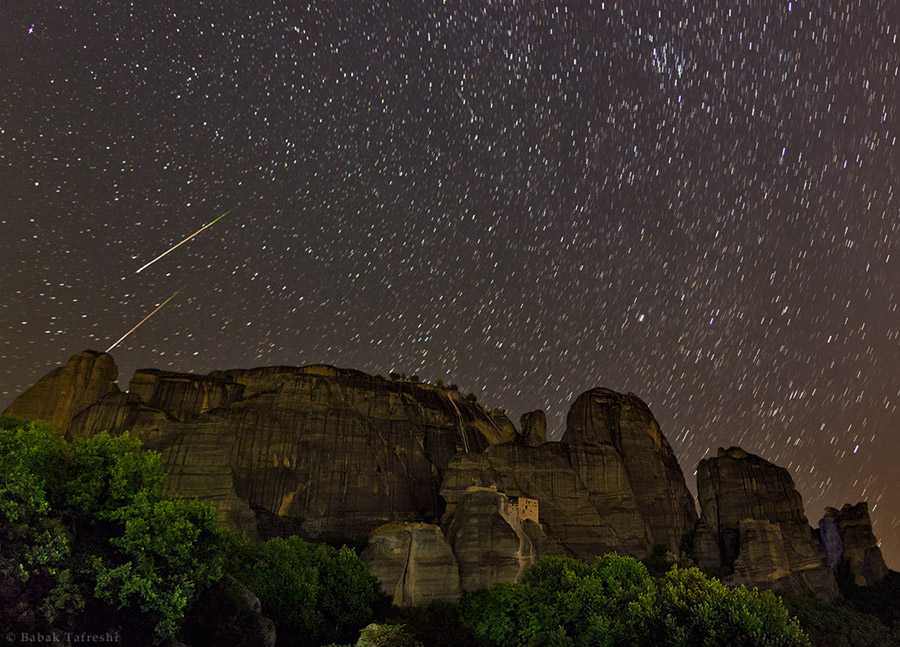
{"points": [[850, 544], [601, 418], [752, 521], [431, 479], [65, 391]]}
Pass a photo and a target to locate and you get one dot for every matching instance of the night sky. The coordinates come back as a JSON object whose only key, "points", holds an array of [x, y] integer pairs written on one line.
{"points": [[694, 203]]}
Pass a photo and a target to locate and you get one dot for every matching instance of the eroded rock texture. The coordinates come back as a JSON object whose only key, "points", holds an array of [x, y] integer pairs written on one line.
{"points": [[746, 502], [320, 451], [602, 417], [317, 449], [491, 542], [849, 542], [414, 563], [66, 391], [583, 522]]}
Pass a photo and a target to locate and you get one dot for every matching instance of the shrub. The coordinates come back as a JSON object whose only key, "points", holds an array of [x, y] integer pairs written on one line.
{"points": [[617, 602]]}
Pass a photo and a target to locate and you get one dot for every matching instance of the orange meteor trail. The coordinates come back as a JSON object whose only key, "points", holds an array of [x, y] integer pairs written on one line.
{"points": [[143, 320]]}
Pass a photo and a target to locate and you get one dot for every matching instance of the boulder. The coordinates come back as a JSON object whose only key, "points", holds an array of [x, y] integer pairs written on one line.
{"points": [[67, 390], [602, 417], [414, 563], [736, 488]]}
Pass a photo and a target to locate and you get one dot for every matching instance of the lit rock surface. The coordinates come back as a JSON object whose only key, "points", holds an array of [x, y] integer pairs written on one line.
{"points": [[735, 488], [66, 391], [318, 450], [491, 542], [584, 522], [602, 417], [184, 396], [414, 563], [120, 412]]}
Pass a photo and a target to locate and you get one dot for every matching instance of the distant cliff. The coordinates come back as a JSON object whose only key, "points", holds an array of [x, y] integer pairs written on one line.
{"points": [[437, 484]]}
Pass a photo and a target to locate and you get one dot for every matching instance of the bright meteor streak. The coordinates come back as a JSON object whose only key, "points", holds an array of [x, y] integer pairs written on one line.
{"points": [[143, 320], [183, 242]]}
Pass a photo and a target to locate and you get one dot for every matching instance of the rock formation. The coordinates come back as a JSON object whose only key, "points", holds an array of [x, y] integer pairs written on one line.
{"points": [[585, 522], [320, 451], [491, 541], [534, 428], [414, 563], [752, 514], [602, 417], [66, 391], [850, 544]]}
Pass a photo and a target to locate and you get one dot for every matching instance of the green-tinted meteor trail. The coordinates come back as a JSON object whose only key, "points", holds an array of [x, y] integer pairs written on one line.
{"points": [[145, 266]]}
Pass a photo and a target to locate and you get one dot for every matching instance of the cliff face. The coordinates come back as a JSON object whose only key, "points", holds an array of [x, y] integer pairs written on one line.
{"points": [[752, 520], [601, 418], [328, 450], [66, 391], [585, 497], [850, 544], [437, 484]]}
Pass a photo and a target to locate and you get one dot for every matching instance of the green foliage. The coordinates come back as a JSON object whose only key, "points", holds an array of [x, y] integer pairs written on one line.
{"points": [[617, 602], [881, 599], [85, 530], [314, 593], [36, 586], [658, 562], [437, 625], [839, 624], [386, 636]]}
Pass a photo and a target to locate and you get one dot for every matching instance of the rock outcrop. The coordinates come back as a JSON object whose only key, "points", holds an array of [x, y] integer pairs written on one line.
{"points": [[602, 417], [752, 513], [584, 523], [850, 544], [66, 391], [533, 428], [325, 450], [414, 563], [322, 451], [491, 541], [184, 396]]}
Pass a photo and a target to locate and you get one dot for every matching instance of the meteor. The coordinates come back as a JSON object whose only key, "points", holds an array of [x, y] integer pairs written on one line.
{"points": [[143, 267], [143, 320]]}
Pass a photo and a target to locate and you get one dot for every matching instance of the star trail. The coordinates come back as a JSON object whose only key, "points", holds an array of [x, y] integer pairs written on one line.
{"points": [[693, 202]]}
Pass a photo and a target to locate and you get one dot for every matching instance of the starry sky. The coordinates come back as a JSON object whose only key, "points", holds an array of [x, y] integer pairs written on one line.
{"points": [[692, 202]]}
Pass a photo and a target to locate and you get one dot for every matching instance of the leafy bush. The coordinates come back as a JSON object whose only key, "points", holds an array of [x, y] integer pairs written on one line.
{"points": [[838, 624], [437, 625], [89, 539], [615, 601], [315, 594]]}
